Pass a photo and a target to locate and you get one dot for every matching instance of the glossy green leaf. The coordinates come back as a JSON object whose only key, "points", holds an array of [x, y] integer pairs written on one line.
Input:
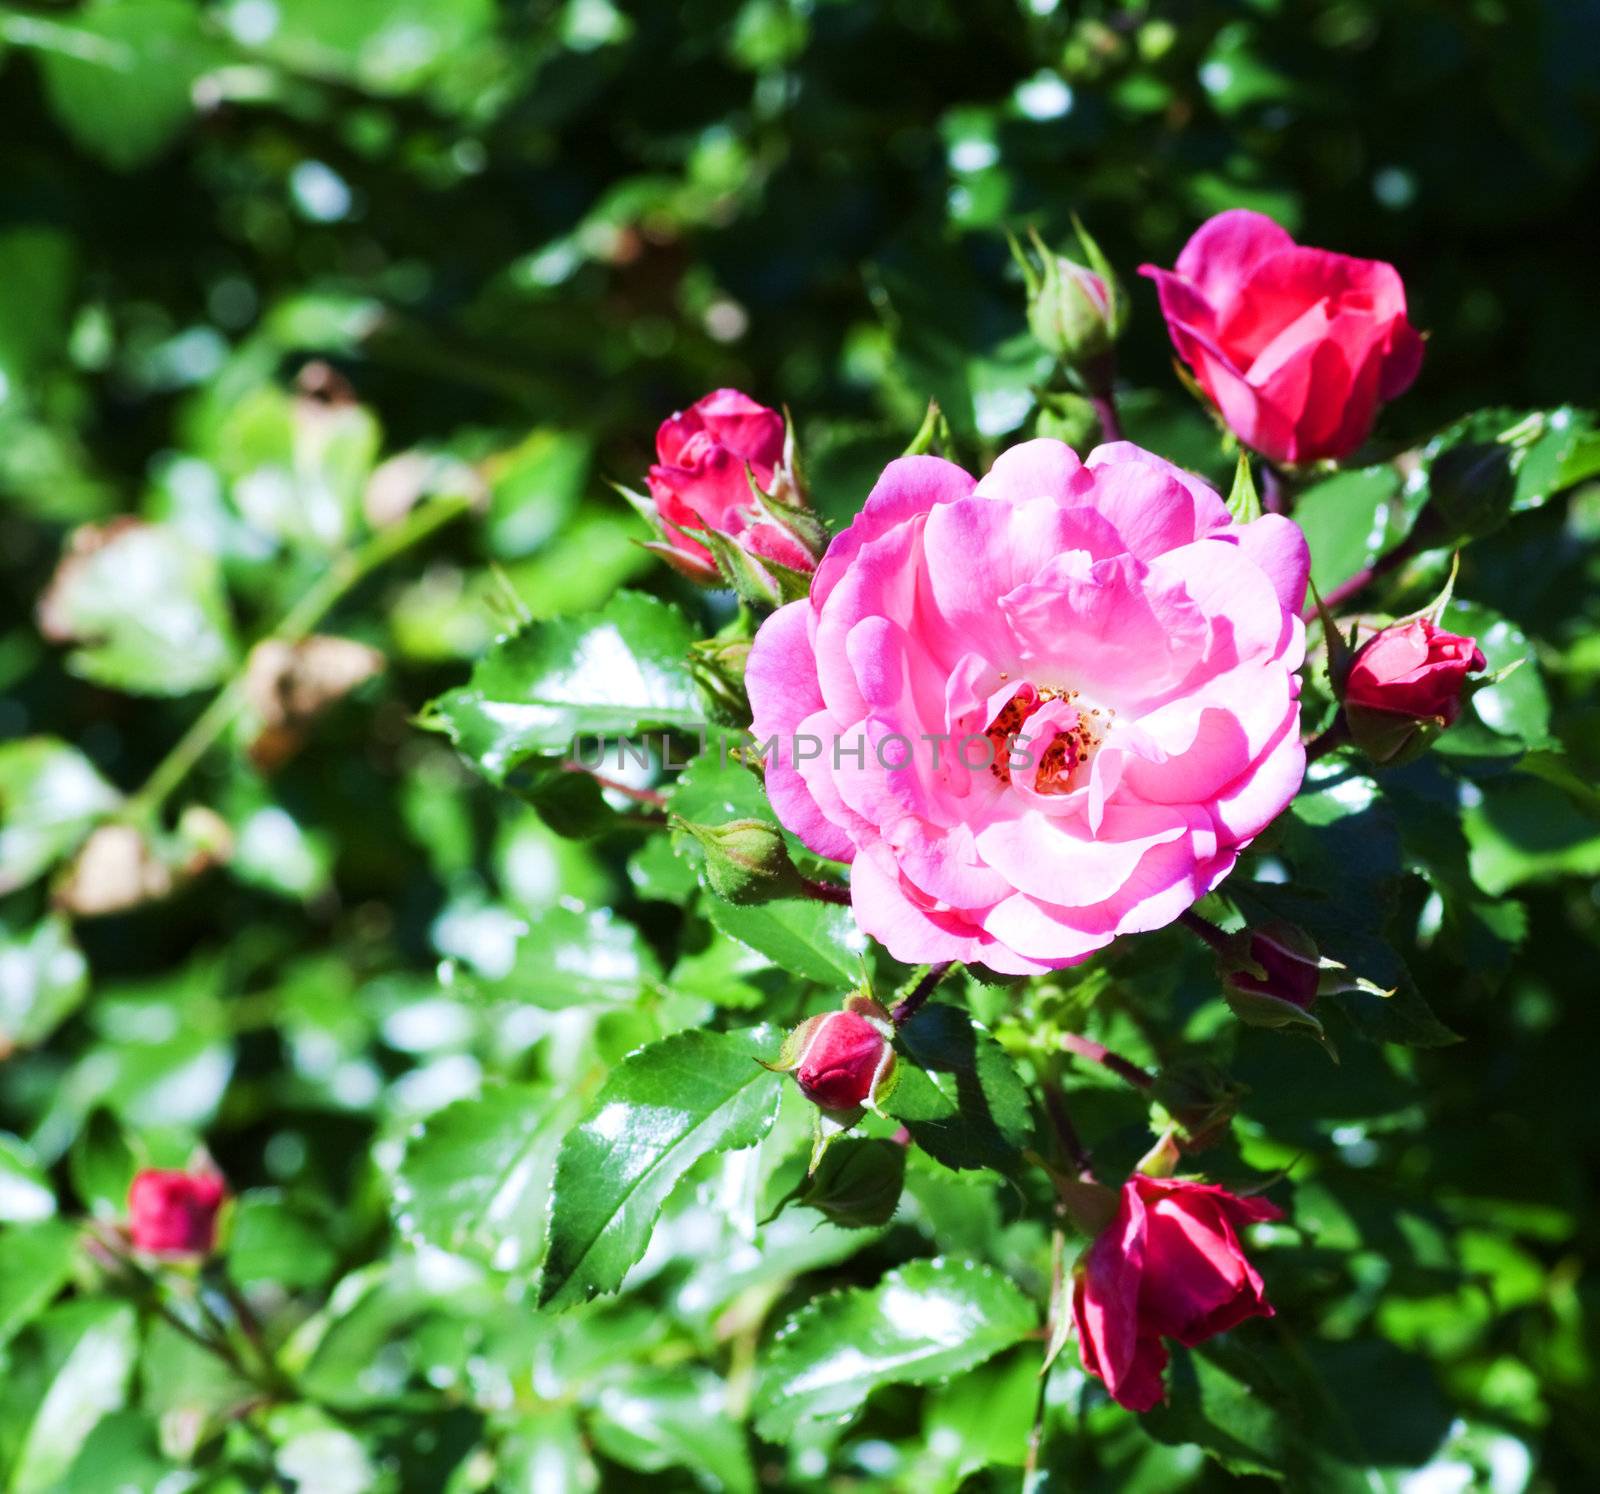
{"points": [[69, 1370], [565, 957], [926, 1321], [980, 1419], [475, 1179], [1352, 518], [662, 1109], [50, 796], [653, 1420], [958, 1093], [617, 673], [103, 1165], [25, 1193], [39, 1261], [815, 940], [271, 1240], [122, 86], [43, 978], [387, 46]]}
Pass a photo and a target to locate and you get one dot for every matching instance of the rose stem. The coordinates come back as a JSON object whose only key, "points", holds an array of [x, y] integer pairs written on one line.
{"points": [[1206, 930], [638, 795], [920, 992], [341, 575], [1335, 736], [1098, 1053], [826, 892], [1055, 1105]]}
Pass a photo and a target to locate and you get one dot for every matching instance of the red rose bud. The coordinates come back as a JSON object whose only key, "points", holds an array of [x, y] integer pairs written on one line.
{"points": [[1414, 669], [1168, 1266], [842, 1060], [725, 481], [175, 1213]]}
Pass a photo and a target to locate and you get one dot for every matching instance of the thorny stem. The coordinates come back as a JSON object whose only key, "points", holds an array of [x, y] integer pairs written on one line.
{"points": [[826, 892], [1055, 1105], [908, 1008], [1098, 1053], [638, 795], [344, 573], [1335, 736], [1205, 929], [1413, 544]]}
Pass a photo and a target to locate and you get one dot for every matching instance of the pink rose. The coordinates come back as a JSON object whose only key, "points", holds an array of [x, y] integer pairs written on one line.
{"points": [[699, 482], [1107, 662], [1297, 347], [1414, 669], [174, 1213], [1168, 1266]]}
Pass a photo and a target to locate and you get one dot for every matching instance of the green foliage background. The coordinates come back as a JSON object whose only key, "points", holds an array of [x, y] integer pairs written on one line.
{"points": [[520, 234]]}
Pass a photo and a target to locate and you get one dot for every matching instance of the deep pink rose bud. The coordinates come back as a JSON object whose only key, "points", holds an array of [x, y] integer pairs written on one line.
{"points": [[175, 1213], [1297, 347], [1414, 669], [1169, 1265], [1290, 962], [842, 1060], [700, 489]]}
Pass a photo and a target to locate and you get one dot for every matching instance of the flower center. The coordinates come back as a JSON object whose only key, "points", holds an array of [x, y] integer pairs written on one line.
{"points": [[1069, 745]]}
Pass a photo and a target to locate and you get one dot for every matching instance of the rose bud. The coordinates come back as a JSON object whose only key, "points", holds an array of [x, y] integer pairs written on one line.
{"points": [[175, 1213], [1295, 346], [1074, 311], [1406, 685], [1168, 1266], [746, 861], [844, 1060], [726, 498]]}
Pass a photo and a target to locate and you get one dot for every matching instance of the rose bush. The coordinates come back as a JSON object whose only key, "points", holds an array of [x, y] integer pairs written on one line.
{"points": [[1140, 647]]}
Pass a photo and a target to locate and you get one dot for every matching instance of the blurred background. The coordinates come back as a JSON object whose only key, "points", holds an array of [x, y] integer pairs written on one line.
{"points": [[268, 266]]}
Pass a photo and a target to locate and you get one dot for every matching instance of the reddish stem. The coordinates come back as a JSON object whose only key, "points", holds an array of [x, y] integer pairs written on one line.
{"points": [[826, 892], [920, 992], [1205, 929], [638, 795], [1098, 1053]]}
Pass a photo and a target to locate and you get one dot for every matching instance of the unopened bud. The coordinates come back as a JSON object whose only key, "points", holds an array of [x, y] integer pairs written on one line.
{"points": [[1075, 311], [746, 861], [1406, 686], [175, 1213], [845, 1060]]}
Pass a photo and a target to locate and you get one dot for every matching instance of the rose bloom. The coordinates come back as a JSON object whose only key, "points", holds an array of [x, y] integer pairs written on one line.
{"points": [[1414, 669], [1297, 347], [1168, 1266], [174, 1213], [699, 482], [1109, 661]]}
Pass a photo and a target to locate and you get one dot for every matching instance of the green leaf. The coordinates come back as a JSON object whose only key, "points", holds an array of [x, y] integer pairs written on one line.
{"points": [[43, 978], [615, 674], [69, 1370], [652, 1420], [567, 958], [661, 1110], [123, 90], [50, 797], [36, 264], [103, 1166], [815, 940], [25, 1193], [385, 46], [475, 1179], [979, 1420], [926, 1321], [958, 1093], [272, 1240], [1527, 830], [1353, 517], [1515, 709], [39, 1261], [146, 609]]}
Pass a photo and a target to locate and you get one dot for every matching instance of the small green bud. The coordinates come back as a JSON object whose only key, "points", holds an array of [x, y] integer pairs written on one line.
{"points": [[746, 861]]}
